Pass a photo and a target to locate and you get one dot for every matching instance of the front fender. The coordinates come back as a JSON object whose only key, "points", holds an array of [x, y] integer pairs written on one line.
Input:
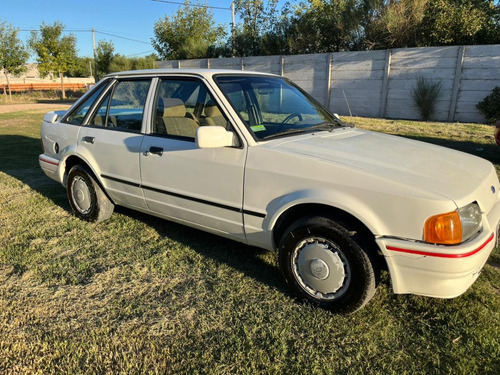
{"points": [[334, 199]]}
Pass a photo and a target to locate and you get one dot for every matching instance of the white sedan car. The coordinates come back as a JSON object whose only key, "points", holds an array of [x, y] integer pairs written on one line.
{"points": [[251, 157]]}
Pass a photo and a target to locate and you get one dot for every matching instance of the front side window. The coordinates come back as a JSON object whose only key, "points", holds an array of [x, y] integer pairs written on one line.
{"points": [[183, 105], [123, 107], [274, 107], [77, 116]]}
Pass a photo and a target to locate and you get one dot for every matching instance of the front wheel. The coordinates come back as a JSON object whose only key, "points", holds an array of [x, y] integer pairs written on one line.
{"points": [[328, 264], [86, 197]]}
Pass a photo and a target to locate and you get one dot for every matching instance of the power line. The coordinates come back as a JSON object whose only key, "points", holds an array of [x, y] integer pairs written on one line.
{"points": [[122, 37], [97, 31], [141, 53], [191, 4]]}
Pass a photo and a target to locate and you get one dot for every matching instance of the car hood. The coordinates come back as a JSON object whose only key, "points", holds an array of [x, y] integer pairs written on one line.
{"points": [[449, 173]]}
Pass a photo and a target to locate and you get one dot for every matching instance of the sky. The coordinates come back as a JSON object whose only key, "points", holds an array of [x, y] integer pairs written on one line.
{"points": [[131, 19]]}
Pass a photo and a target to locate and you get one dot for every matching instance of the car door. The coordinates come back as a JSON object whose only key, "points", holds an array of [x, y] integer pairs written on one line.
{"points": [[198, 187], [111, 140]]}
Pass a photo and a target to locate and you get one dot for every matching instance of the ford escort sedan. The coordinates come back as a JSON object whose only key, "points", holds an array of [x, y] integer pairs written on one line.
{"points": [[252, 157]]}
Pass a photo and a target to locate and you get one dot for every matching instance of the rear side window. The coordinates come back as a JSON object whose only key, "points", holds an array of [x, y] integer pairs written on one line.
{"points": [[123, 107], [78, 115]]}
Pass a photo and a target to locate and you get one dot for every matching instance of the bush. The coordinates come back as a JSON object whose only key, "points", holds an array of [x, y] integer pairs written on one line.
{"points": [[425, 95], [490, 106]]}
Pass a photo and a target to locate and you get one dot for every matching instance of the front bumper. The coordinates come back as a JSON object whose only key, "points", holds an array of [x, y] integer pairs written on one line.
{"points": [[437, 270]]}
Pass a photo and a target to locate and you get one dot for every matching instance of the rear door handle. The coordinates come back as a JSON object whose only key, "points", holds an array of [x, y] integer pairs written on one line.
{"points": [[90, 140], [154, 150]]}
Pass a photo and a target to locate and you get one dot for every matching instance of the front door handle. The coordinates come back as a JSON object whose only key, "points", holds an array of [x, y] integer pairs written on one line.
{"points": [[90, 140], [155, 151]]}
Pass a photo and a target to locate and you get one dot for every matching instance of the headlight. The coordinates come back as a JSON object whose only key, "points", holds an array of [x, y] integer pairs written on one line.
{"points": [[453, 227], [471, 217]]}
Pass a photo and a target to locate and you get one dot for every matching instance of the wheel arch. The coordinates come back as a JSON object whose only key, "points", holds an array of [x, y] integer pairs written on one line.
{"points": [[301, 210], [298, 211], [73, 160]]}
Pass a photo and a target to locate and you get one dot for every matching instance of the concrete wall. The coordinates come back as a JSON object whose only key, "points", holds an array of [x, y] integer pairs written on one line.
{"points": [[379, 83], [32, 76]]}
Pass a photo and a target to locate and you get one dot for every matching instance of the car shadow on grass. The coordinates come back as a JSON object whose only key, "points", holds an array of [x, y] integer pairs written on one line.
{"points": [[19, 159], [239, 256]]}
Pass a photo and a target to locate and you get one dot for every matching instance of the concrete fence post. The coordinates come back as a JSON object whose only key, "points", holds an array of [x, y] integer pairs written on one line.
{"points": [[385, 84], [456, 84], [329, 60]]}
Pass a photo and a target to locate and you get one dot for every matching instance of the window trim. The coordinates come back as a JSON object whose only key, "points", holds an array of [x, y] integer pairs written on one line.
{"points": [[208, 90], [110, 90], [82, 101], [285, 79]]}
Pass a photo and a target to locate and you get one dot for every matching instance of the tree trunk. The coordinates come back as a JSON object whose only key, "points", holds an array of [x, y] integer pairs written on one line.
{"points": [[8, 84], [63, 93]]}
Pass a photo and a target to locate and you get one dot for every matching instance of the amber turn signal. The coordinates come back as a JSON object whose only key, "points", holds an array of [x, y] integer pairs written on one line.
{"points": [[443, 229]]}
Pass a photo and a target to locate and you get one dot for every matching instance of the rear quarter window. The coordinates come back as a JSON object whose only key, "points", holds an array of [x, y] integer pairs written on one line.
{"points": [[77, 116]]}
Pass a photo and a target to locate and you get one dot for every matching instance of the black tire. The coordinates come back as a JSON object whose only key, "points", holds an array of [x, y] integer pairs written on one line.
{"points": [[86, 197], [328, 264]]}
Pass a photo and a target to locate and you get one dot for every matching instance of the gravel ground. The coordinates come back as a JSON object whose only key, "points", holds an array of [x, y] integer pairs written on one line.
{"points": [[7, 108]]}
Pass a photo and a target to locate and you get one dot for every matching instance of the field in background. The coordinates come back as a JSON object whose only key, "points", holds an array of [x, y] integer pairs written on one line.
{"points": [[41, 96], [137, 294]]}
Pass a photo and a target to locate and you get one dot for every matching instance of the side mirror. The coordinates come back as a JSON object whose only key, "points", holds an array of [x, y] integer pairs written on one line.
{"points": [[50, 117], [213, 137]]}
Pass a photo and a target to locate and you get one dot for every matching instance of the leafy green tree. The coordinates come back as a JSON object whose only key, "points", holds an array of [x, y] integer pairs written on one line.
{"points": [[56, 53], [120, 63], [188, 34], [104, 57], [253, 14], [81, 68], [264, 30], [396, 24], [455, 22], [413, 23], [13, 54]]}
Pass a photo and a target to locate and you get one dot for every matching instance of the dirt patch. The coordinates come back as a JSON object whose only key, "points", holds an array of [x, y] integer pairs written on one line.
{"points": [[8, 108]]}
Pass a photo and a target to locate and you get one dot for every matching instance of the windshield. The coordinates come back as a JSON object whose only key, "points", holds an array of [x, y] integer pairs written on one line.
{"points": [[274, 107]]}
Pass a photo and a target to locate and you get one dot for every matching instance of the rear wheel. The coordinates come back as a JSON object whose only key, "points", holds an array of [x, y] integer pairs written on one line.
{"points": [[86, 197], [329, 264]]}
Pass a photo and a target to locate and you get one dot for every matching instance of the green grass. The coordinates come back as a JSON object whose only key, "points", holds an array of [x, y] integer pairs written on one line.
{"points": [[137, 294]]}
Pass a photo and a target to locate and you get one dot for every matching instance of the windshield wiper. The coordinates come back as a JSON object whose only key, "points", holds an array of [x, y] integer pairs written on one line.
{"points": [[328, 125], [290, 131]]}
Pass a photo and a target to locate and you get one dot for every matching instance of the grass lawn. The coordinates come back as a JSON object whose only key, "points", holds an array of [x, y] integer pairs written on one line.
{"points": [[137, 294]]}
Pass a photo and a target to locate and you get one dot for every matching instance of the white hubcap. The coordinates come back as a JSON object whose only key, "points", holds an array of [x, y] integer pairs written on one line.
{"points": [[81, 195], [321, 268]]}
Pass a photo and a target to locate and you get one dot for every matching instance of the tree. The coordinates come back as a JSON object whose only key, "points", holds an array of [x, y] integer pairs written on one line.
{"points": [[264, 30], [414, 23], [81, 68], [120, 63], [56, 53], [252, 12], [104, 57], [13, 54], [396, 24], [453, 22], [188, 34]]}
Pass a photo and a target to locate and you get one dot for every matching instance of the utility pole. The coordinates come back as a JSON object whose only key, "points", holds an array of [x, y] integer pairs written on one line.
{"points": [[233, 29], [96, 78]]}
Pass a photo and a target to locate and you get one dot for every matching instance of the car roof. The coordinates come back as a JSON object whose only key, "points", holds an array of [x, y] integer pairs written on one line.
{"points": [[199, 72]]}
